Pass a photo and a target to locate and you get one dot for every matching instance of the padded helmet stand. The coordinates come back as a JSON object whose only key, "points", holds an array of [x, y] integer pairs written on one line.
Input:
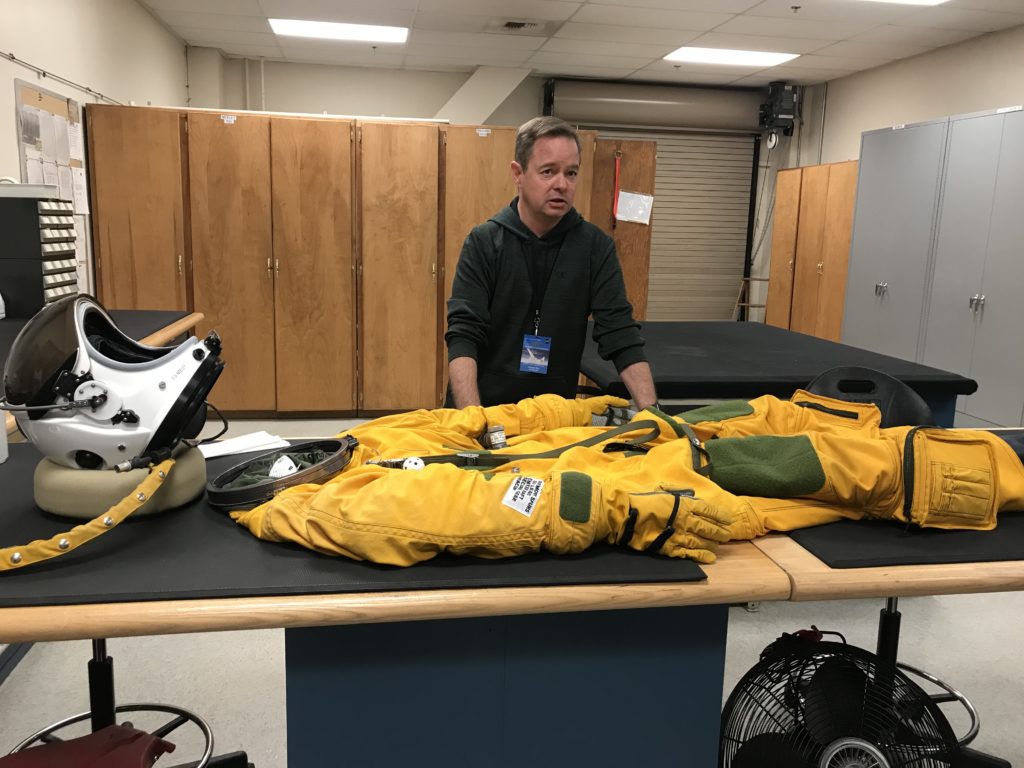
{"points": [[900, 406], [103, 714]]}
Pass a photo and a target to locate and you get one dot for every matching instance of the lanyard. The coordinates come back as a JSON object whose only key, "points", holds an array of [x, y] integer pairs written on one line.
{"points": [[539, 288]]}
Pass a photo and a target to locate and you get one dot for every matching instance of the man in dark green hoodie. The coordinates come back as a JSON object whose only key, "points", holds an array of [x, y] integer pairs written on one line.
{"points": [[527, 281]]}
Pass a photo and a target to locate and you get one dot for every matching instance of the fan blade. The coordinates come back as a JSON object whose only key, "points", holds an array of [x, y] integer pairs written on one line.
{"points": [[834, 701], [770, 750]]}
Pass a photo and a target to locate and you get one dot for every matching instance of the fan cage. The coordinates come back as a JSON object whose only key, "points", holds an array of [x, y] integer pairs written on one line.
{"points": [[805, 695]]}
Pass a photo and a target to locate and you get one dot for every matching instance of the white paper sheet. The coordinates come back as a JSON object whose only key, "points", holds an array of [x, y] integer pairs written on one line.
{"points": [[65, 183], [50, 173], [76, 146], [63, 147], [254, 441], [635, 207], [80, 191]]}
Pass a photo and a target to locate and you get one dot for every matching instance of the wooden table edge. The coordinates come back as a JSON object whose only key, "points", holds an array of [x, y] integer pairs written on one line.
{"points": [[742, 574], [812, 579]]}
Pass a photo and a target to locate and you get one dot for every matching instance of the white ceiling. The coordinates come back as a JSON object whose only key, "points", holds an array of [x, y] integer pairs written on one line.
{"points": [[611, 39]]}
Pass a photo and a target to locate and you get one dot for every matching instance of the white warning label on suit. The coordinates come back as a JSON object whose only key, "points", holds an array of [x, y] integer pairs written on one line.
{"points": [[522, 495]]}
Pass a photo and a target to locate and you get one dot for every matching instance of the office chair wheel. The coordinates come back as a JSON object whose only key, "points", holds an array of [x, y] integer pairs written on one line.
{"points": [[951, 694], [182, 716]]}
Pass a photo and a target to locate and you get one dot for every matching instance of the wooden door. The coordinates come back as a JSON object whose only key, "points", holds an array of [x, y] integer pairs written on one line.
{"points": [[632, 240], [585, 180], [809, 242], [135, 165], [785, 225], [229, 182], [398, 180], [842, 191], [314, 290]]}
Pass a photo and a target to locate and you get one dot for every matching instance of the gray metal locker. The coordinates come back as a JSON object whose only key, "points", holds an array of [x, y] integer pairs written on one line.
{"points": [[972, 161], [894, 224], [998, 355]]}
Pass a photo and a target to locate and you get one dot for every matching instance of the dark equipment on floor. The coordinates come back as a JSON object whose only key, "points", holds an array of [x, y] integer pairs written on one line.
{"points": [[111, 745]]}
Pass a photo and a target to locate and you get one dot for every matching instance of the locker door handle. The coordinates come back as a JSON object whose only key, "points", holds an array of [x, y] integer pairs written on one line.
{"points": [[973, 301], [980, 303], [881, 288]]}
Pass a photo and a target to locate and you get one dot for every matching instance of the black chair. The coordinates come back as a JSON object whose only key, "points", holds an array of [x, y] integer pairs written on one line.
{"points": [[899, 404]]}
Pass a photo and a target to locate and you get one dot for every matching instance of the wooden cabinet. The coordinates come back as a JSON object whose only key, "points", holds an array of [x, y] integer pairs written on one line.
{"points": [[135, 170], [314, 289], [398, 190], [232, 251], [632, 241], [807, 285]]}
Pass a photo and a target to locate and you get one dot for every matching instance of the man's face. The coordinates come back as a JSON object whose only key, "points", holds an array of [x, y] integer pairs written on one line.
{"points": [[547, 186]]}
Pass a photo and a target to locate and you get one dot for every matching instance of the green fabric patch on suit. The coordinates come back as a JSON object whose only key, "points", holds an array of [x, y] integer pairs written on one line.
{"points": [[574, 503], [766, 465], [728, 409]]}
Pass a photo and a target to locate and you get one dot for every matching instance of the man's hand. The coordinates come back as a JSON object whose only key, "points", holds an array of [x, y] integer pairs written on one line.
{"points": [[640, 383]]}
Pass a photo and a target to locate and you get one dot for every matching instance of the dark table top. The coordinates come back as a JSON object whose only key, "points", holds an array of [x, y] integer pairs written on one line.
{"points": [[726, 359], [197, 551]]}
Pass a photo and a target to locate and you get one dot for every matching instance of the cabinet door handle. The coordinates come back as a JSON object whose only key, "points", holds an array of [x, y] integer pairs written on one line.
{"points": [[973, 303], [881, 288], [181, 266], [980, 303], [821, 267], [277, 266], [270, 266]]}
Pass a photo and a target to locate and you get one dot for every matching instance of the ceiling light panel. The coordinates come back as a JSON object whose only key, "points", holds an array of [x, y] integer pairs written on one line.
{"points": [[331, 30], [729, 57]]}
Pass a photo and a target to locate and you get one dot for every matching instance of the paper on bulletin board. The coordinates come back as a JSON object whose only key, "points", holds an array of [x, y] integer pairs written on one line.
{"points": [[81, 194], [634, 206], [65, 183], [76, 146]]}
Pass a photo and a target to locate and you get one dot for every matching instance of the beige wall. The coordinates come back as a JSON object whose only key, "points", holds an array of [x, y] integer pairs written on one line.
{"points": [[979, 74], [111, 46]]}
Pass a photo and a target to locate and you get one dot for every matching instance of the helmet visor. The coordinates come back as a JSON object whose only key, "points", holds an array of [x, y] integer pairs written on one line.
{"points": [[46, 346]]}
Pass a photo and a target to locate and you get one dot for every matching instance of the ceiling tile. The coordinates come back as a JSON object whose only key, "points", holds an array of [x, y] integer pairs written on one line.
{"points": [[521, 9], [1006, 6], [433, 64], [343, 57], [859, 49], [833, 10], [328, 9], [192, 20], [708, 6], [650, 17], [610, 33], [200, 35], [676, 78], [561, 45], [495, 57], [924, 36], [231, 7], [476, 40], [686, 69], [847, 63], [449, 22], [346, 13], [805, 76], [586, 60], [964, 18], [792, 27], [254, 51], [755, 43]]}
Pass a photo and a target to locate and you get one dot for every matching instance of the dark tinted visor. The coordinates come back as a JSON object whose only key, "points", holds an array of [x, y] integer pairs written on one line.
{"points": [[46, 346]]}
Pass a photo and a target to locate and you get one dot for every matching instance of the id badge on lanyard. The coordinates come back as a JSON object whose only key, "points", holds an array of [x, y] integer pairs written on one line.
{"points": [[536, 354]]}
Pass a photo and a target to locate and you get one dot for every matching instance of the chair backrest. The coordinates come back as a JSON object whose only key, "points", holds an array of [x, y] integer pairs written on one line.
{"points": [[900, 405]]}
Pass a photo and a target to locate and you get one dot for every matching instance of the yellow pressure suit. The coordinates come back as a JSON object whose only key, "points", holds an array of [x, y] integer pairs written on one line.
{"points": [[734, 470]]}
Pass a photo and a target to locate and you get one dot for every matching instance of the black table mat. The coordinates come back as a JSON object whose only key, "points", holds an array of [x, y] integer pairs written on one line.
{"points": [[872, 543], [724, 359], [198, 552]]}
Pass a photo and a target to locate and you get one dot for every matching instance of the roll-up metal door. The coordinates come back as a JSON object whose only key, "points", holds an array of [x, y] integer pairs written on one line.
{"points": [[699, 222]]}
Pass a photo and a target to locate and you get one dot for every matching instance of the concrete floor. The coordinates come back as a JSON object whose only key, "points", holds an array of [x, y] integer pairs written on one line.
{"points": [[235, 680]]}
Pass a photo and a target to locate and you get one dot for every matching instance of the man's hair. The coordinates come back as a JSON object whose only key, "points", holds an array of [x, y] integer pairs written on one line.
{"points": [[538, 128]]}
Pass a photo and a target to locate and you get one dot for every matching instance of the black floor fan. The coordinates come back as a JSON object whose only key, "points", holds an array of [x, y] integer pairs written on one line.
{"points": [[810, 703]]}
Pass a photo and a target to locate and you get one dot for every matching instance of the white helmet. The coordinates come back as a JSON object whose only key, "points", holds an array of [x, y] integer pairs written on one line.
{"points": [[88, 396]]}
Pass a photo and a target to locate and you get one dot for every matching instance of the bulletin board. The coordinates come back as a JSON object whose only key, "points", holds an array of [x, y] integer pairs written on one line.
{"points": [[51, 144]]}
